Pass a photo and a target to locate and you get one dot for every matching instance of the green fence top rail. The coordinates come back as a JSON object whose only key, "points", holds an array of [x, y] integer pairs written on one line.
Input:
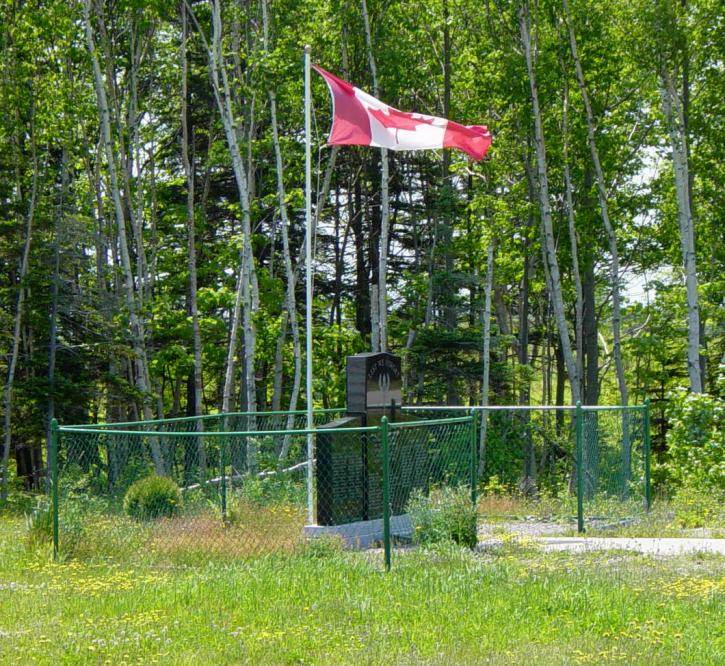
{"points": [[215, 433], [204, 417], [113, 429], [116, 428], [521, 408], [429, 422]]}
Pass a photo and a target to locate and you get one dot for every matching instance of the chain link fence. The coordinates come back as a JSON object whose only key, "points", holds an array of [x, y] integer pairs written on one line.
{"points": [[583, 464], [242, 485], [241, 479]]}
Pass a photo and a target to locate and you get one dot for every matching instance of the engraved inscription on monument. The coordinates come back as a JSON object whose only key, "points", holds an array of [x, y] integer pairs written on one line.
{"points": [[373, 382]]}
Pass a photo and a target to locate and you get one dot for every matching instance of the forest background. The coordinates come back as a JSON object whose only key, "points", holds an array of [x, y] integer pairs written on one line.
{"points": [[152, 207]]}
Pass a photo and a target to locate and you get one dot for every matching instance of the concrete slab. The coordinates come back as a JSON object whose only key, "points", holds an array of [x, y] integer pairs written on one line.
{"points": [[363, 533]]}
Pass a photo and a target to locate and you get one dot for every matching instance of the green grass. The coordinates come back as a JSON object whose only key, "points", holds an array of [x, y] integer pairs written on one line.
{"points": [[321, 605]]}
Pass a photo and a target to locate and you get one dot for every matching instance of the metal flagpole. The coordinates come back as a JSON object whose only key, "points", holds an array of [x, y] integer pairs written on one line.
{"points": [[308, 295]]}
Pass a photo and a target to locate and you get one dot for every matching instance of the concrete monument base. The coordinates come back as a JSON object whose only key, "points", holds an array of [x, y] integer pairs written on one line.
{"points": [[364, 533]]}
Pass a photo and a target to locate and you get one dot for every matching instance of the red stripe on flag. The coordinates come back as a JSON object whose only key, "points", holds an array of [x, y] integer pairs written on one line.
{"points": [[472, 139], [350, 121]]}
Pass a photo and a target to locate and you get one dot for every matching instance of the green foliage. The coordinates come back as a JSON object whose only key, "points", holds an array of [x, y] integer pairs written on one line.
{"points": [[696, 440], [445, 514], [442, 219], [494, 486], [324, 546], [699, 507], [152, 497], [277, 489]]}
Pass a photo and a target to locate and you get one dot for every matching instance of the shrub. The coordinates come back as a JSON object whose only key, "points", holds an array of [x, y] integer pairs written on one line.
{"points": [[494, 486], [696, 440], [152, 497], [446, 514]]}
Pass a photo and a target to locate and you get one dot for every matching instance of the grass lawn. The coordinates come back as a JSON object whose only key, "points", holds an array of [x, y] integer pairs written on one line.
{"points": [[320, 605]]}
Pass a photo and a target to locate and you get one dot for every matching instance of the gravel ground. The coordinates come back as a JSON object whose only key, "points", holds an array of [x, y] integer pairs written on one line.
{"points": [[530, 528], [552, 537], [650, 546]]}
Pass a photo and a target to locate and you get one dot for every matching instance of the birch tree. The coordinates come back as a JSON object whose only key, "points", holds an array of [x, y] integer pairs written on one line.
{"points": [[573, 242], [486, 356], [137, 326], [672, 109], [380, 300], [604, 209], [191, 241], [242, 309], [54, 297], [545, 206]]}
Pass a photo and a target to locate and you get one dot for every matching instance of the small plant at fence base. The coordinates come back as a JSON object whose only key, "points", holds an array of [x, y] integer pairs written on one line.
{"points": [[39, 523], [445, 514], [152, 497]]}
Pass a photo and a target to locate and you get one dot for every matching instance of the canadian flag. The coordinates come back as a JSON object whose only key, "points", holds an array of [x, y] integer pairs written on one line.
{"points": [[360, 119]]}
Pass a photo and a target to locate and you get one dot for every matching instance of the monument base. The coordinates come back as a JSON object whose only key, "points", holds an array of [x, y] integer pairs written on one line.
{"points": [[364, 533]]}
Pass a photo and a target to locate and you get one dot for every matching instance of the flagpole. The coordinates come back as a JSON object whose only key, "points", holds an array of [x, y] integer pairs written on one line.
{"points": [[308, 293]]}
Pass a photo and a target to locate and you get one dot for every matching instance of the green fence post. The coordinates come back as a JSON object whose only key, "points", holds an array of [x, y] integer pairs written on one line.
{"points": [[223, 480], [647, 491], [579, 467], [54, 436], [386, 489], [474, 459]]}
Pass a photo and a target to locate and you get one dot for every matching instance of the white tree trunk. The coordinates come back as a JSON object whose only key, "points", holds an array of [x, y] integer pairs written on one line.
{"points": [[672, 108], [191, 246], [380, 306], [604, 208], [579, 302], [289, 271], [550, 247], [54, 296], [137, 327], [243, 301], [486, 356]]}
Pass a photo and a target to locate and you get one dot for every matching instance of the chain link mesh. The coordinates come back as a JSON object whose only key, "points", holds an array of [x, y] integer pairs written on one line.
{"points": [[613, 463], [426, 455], [243, 490], [531, 453], [244, 485]]}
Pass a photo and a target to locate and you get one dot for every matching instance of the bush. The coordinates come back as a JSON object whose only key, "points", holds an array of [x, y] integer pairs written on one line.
{"points": [[446, 514], [152, 497], [696, 440]]}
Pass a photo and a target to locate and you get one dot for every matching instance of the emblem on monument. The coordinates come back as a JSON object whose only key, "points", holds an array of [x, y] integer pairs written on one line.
{"points": [[373, 382]]}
